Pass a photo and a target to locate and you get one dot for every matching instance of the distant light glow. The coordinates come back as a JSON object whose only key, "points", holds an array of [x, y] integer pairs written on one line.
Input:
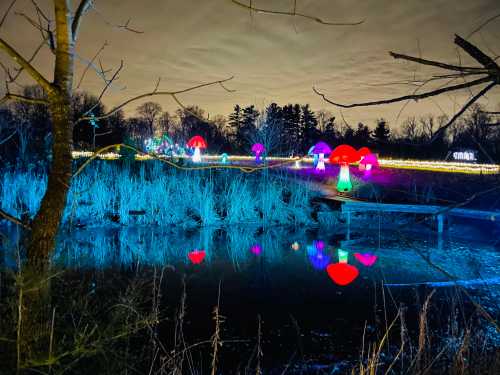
{"points": [[197, 256], [319, 260], [295, 246], [366, 259], [342, 273], [224, 158], [464, 155]]}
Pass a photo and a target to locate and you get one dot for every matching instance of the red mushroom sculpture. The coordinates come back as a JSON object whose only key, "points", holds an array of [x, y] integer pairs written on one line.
{"points": [[197, 142], [344, 155]]}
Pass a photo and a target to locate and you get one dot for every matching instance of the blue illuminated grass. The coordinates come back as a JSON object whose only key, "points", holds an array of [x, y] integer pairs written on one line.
{"points": [[152, 194]]}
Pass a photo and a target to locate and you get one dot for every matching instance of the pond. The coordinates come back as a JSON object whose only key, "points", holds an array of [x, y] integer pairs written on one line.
{"points": [[279, 276]]}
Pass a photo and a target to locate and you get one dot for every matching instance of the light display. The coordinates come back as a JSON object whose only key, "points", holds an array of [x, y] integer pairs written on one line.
{"points": [[368, 162], [197, 256], [314, 156], [258, 149], [224, 158], [366, 259], [295, 246], [432, 166], [344, 155], [197, 142], [320, 150], [343, 255], [256, 249], [342, 273], [363, 151]]}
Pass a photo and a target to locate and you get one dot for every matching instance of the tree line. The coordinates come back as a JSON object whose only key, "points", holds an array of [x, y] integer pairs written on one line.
{"points": [[290, 129]]}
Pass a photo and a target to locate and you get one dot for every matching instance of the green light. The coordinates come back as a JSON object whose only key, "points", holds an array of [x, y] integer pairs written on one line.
{"points": [[343, 255], [344, 183]]}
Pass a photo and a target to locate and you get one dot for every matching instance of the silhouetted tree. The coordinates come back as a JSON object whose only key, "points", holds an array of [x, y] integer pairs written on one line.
{"points": [[382, 132]]}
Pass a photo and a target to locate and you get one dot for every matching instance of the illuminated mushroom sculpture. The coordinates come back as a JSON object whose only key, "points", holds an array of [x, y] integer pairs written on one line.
{"points": [[368, 162], [258, 149], [320, 150], [344, 155], [197, 142]]}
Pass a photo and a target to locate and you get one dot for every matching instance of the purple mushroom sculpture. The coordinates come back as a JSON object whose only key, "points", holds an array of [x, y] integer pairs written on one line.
{"points": [[368, 162], [258, 149], [321, 149]]}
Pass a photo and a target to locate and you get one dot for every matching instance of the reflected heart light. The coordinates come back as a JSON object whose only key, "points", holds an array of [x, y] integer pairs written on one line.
{"points": [[366, 259], [342, 273], [197, 256]]}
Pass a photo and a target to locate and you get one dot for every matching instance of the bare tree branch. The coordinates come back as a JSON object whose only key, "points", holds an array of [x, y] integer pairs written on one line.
{"points": [[26, 65], [115, 76], [474, 99], [7, 12], [439, 64], [477, 54], [415, 97], [293, 14], [21, 98], [13, 219], [172, 94], [80, 11], [483, 24], [90, 63]]}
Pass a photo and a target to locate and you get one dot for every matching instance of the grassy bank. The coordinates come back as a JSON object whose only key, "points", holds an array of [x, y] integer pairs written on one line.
{"points": [[154, 194]]}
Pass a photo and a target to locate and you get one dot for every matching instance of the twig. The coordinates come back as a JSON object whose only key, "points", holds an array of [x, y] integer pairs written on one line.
{"points": [[294, 13]]}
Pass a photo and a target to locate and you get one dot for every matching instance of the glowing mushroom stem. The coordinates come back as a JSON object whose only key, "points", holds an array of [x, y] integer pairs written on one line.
{"points": [[320, 166], [196, 155], [257, 157], [344, 182]]}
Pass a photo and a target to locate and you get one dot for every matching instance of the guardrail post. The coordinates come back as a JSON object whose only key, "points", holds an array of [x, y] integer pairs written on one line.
{"points": [[440, 219]]}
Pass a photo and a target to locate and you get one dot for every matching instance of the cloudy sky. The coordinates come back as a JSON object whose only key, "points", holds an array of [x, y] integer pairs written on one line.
{"points": [[273, 58]]}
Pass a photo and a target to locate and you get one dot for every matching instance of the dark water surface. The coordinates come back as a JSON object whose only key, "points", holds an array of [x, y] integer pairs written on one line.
{"points": [[278, 274]]}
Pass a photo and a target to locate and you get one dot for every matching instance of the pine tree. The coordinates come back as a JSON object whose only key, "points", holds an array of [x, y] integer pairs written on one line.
{"points": [[234, 125], [381, 133], [247, 128], [308, 128]]}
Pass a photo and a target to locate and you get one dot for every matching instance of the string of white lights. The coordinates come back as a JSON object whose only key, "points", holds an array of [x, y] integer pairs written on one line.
{"points": [[425, 165]]}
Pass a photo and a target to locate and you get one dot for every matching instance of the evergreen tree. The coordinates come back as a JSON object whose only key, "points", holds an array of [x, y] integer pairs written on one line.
{"points": [[274, 127], [381, 134], [247, 128], [234, 123], [362, 135], [308, 128], [291, 127]]}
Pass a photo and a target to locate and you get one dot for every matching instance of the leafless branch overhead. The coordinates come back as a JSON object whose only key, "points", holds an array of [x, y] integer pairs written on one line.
{"points": [[294, 13], [489, 70], [155, 92]]}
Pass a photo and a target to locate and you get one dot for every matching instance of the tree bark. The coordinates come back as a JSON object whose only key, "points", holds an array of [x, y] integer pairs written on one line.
{"points": [[48, 219]]}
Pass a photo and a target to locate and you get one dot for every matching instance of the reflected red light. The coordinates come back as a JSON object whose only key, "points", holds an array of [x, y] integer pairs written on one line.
{"points": [[197, 256], [366, 259], [342, 273]]}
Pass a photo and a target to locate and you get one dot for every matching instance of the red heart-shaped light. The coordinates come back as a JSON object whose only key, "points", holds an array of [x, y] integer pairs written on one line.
{"points": [[197, 256], [342, 273], [366, 259]]}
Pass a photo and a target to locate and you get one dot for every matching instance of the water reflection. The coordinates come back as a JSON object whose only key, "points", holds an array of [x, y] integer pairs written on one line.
{"points": [[400, 258]]}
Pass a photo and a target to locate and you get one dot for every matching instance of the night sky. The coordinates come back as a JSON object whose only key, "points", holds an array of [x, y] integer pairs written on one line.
{"points": [[273, 58]]}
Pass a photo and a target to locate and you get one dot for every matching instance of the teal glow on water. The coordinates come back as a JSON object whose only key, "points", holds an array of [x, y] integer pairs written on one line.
{"points": [[402, 257]]}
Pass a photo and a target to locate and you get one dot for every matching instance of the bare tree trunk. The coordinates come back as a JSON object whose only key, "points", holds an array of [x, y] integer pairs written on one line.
{"points": [[48, 219]]}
